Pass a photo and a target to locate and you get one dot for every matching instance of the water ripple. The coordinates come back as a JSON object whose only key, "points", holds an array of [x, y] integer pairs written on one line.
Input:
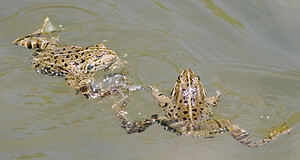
{"points": [[44, 6]]}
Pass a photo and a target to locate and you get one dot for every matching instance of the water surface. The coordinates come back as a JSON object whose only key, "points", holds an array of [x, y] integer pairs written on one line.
{"points": [[249, 50]]}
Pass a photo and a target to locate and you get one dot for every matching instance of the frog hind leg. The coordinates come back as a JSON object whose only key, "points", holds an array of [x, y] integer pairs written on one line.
{"points": [[204, 128], [243, 137], [212, 127], [121, 103], [82, 83], [36, 62], [136, 126], [140, 126], [43, 38], [35, 41]]}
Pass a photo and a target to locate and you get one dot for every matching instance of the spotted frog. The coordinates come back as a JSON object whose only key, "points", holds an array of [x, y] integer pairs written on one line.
{"points": [[188, 112], [76, 64]]}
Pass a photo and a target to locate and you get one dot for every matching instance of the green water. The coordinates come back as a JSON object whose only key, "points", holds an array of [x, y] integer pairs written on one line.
{"points": [[249, 50]]}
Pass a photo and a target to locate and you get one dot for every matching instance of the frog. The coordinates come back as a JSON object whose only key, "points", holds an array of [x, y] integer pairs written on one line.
{"points": [[76, 64], [189, 112]]}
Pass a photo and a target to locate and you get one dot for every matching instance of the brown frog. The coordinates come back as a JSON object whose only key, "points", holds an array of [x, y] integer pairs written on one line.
{"points": [[188, 112], [76, 64]]}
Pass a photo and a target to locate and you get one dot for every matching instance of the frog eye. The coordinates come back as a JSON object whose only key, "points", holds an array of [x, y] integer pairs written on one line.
{"points": [[90, 67]]}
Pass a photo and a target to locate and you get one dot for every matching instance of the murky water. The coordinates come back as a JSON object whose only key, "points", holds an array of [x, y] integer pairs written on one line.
{"points": [[249, 50]]}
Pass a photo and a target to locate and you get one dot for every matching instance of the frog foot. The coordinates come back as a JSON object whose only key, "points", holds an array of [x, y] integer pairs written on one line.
{"points": [[138, 126], [282, 129]]}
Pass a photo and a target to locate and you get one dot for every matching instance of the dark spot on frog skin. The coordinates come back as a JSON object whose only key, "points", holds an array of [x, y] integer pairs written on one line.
{"points": [[185, 102]]}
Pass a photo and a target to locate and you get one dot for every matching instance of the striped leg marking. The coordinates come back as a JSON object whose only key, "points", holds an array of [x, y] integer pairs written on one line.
{"points": [[243, 137]]}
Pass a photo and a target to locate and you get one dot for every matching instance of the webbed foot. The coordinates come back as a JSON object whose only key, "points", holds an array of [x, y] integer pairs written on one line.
{"points": [[138, 126]]}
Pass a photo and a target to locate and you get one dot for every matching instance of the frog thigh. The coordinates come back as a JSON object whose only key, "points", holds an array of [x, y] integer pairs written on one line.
{"points": [[205, 128]]}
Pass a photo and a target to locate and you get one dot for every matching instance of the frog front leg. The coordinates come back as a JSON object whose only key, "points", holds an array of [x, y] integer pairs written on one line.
{"points": [[159, 97], [214, 100], [81, 83]]}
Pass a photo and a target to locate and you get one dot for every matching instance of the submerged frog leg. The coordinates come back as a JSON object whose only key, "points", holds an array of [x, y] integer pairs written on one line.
{"points": [[116, 106], [81, 83], [243, 137], [213, 101], [169, 124], [159, 97], [137, 126], [122, 116], [136, 88]]}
